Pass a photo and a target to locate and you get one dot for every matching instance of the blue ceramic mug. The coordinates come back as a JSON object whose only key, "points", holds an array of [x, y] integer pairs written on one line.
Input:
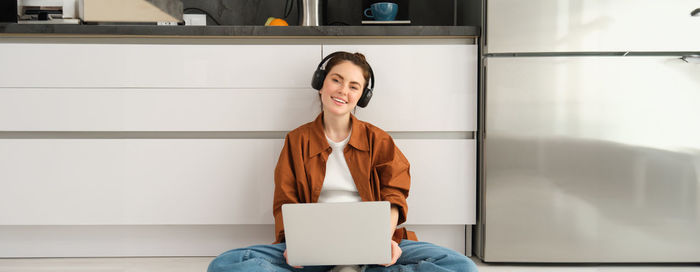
{"points": [[382, 11]]}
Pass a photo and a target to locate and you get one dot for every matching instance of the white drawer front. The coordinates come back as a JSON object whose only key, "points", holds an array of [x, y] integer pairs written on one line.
{"points": [[592, 25], [140, 181], [156, 109], [420, 87], [194, 181], [157, 65]]}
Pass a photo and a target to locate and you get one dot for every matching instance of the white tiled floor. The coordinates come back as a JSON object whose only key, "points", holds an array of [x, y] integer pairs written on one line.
{"points": [[199, 264]]}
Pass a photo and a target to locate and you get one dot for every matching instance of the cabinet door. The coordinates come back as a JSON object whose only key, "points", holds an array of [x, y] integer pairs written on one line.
{"points": [[420, 87], [596, 157], [592, 25]]}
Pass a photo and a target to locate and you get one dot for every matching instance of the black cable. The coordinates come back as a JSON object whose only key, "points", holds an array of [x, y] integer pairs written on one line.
{"points": [[205, 12], [299, 11], [288, 8]]}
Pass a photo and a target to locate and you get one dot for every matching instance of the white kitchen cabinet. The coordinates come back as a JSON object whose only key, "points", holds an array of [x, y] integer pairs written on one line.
{"points": [[515, 26], [207, 112]]}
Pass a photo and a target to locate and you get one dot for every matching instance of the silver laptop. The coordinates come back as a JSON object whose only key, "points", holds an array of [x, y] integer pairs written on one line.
{"points": [[337, 233]]}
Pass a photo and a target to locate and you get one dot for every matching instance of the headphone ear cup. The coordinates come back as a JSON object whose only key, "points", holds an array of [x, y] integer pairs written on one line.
{"points": [[318, 78], [364, 99]]}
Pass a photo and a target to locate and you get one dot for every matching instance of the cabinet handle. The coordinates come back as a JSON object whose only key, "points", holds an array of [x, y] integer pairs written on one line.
{"points": [[691, 58], [695, 12]]}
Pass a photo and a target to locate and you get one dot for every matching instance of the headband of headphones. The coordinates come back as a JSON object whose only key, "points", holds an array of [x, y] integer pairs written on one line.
{"points": [[330, 56]]}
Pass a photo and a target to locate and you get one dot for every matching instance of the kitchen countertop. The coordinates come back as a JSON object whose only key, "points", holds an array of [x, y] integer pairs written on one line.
{"points": [[62, 30]]}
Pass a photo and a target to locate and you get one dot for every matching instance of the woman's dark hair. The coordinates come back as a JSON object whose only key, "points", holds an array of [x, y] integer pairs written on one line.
{"points": [[355, 58]]}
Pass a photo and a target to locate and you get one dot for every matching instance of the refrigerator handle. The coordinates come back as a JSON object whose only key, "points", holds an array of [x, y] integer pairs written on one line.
{"points": [[695, 12], [691, 58]]}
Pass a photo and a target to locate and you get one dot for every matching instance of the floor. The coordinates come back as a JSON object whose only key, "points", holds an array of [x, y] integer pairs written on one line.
{"points": [[199, 264]]}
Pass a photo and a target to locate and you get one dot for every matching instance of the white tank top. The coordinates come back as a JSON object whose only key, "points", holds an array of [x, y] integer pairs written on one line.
{"points": [[338, 185]]}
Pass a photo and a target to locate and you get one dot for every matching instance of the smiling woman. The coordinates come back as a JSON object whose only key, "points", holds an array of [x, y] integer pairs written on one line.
{"points": [[343, 88], [339, 158], [357, 80]]}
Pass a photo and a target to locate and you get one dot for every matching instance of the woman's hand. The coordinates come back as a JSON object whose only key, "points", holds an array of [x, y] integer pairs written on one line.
{"points": [[395, 253], [285, 259]]}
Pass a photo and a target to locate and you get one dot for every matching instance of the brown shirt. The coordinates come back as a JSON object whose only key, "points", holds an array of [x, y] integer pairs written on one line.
{"points": [[379, 169]]}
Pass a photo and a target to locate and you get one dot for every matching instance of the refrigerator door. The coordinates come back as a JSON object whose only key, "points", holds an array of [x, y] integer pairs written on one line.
{"points": [[592, 159], [591, 26]]}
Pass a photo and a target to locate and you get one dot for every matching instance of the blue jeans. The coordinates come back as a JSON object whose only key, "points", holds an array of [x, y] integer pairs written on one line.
{"points": [[416, 256]]}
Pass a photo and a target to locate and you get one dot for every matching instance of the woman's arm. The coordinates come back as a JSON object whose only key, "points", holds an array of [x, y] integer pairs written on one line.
{"points": [[395, 249], [392, 172], [285, 187]]}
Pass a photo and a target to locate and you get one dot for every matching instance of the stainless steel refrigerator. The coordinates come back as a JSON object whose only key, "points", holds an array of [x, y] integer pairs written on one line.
{"points": [[591, 132]]}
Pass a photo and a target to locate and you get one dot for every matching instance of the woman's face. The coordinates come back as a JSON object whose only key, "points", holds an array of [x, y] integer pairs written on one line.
{"points": [[342, 88]]}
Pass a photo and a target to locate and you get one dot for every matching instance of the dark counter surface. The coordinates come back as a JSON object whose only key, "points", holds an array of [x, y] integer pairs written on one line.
{"points": [[61, 30]]}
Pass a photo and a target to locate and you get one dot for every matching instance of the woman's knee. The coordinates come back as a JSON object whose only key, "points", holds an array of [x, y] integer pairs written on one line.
{"points": [[227, 259], [271, 254], [437, 255]]}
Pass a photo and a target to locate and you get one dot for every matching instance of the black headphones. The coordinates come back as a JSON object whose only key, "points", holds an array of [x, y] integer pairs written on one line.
{"points": [[320, 76]]}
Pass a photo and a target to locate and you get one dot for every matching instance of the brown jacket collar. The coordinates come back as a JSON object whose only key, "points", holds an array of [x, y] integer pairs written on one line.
{"points": [[358, 136]]}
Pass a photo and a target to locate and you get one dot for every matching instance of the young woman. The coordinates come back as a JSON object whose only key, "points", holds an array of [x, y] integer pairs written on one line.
{"points": [[338, 158]]}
